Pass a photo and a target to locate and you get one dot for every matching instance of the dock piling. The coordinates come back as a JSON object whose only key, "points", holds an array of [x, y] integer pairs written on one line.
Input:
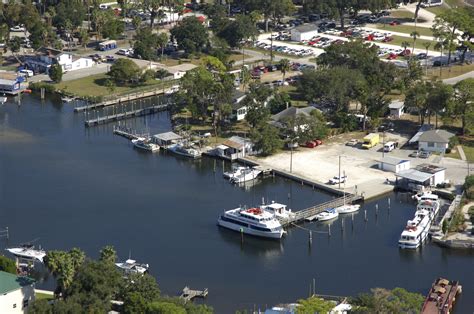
{"points": [[365, 215], [310, 237], [329, 230]]}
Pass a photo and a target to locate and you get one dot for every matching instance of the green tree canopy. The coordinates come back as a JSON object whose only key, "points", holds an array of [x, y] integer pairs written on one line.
{"points": [[125, 71], [191, 35], [56, 73], [7, 265], [464, 103], [146, 43], [314, 305]]}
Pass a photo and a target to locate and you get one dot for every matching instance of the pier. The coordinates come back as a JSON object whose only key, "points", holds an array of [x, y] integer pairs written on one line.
{"points": [[128, 133], [189, 294], [126, 114]]}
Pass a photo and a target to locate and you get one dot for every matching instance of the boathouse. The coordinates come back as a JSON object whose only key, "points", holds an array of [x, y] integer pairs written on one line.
{"points": [[11, 83], [423, 176], [393, 164], [16, 293], [166, 139], [235, 147]]}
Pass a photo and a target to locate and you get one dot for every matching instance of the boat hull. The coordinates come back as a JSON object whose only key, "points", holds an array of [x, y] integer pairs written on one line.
{"points": [[250, 231]]}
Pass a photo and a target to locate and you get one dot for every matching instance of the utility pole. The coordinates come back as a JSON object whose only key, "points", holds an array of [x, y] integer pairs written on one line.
{"points": [[339, 171], [383, 144]]}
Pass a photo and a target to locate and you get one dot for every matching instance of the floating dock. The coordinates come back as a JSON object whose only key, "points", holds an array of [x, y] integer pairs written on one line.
{"points": [[125, 115], [189, 294]]}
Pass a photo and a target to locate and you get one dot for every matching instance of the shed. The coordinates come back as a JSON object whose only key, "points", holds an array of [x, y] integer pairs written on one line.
{"points": [[304, 32], [16, 293], [235, 147], [397, 109], [393, 164], [422, 176], [434, 141], [166, 139]]}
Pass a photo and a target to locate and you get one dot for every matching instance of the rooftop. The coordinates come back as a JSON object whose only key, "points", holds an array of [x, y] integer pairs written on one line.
{"points": [[167, 136], [292, 112], [10, 282], [427, 168], [414, 175], [423, 128], [396, 105], [437, 136], [306, 28], [50, 52]]}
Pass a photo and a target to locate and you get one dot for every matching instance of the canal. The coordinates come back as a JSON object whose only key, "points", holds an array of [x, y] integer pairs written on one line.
{"points": [[75, 187]]}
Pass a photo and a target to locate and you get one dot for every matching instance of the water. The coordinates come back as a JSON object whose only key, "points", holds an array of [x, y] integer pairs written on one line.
{"points": [[73, 187]]}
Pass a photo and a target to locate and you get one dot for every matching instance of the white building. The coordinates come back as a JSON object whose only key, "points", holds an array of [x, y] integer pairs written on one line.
{"points": [[45, 57], [423, 176], [239, 108], [304, 32], [397, 109], [16, 293], [393, 164], [434, 141]]}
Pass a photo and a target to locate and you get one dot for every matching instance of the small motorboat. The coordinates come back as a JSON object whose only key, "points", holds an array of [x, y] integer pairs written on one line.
{"points": [[131, 266], [236, 171], [28, 252], [326, 215], [145, 144], [347, 209]]}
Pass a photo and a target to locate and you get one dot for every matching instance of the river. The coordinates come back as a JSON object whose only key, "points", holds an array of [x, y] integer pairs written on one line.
{"points": [[75, 187]]}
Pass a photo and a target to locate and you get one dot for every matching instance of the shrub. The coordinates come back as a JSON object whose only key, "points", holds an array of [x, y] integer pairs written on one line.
{"points": [[48, 88], [453, 141]]}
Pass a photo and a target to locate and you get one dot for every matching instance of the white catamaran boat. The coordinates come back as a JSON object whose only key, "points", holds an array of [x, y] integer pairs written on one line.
{"points": [[145, 144], [326, 215], [236, 171], [416, 231], [28, 252], [252, 221], [246, 175], [131, 266], [182, 150]]}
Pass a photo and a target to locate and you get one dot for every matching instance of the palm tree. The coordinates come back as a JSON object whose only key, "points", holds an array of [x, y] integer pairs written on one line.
{"points": [[108, 254], [414, 35], [284, 67], [245, 76], [427, 45], [440, 46]]}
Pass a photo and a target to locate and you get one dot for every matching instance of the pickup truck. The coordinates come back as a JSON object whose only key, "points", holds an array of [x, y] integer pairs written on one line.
{"points": [[336, 179]]}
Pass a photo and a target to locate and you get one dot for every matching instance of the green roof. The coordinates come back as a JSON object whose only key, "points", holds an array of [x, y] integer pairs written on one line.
{"points": [[10, 282]]}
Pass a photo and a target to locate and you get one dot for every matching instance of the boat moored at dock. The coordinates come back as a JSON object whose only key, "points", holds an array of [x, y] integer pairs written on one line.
{"points": [[441, 297], [416, 230], [183, 150], [248, 174], [347, 208], [252, 221], [145, 144], [236, 171], [327, 214], [28, 252], [131, 266]]}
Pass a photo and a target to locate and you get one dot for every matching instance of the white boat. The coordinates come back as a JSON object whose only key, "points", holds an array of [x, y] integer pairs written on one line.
{"points": [[67, 99], [427, 195], [236, 171], [416, 230], [432, 206], [252, 221], [347, 208], [145, 144], [279, 210], [246, 175], [325, 215], [3, 99], [28, 252], [131, 266], [182, 150]]}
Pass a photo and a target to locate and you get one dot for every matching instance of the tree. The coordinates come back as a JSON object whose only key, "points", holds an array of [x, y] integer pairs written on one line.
{"points": [[427, 46], [414, 35], [146, 43], [165, 308], [279, 102], [161, 41], [145, 285], [405, 45], [136, 22], [439, 98], [463, 100], [113, 27], [63, 265], [237, 31], [245, 77], [153, 7], [56, 73], [108, 254], [284, 67], [266, 139], [69, 11], [14, 44], [314, 305], [381, 300], [134, 303], [124, 71], [416, 98], [7, 265], [191, 35]]}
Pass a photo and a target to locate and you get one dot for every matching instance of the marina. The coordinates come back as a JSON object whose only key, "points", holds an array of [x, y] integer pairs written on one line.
{"points": [[117, 116], [59, 148]]}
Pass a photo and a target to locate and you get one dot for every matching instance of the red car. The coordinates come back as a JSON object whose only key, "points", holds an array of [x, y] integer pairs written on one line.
{"points": [[387, 39], [405, 53], [370, 37], [392, 56], [394, 23], [311, 144]]}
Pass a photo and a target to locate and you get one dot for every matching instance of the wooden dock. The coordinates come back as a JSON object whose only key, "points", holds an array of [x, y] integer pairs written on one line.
{"points": [[301, 215], [125, 115], [127, 98], [189, 294], [128, 133]]}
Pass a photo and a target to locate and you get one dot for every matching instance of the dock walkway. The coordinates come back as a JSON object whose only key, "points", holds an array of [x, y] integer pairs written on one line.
{"points": [[189, 294], [127, 114]]}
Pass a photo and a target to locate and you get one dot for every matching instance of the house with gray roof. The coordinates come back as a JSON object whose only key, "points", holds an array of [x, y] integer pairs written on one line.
{"points": [[279, 120], [239, 108], [16, 293], [434, 141]]}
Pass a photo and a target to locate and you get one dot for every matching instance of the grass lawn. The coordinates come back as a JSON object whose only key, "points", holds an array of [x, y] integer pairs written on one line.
{"points": [[448, 72], [402, 14], [444, 7], [423, 31], [94, 85], [469, 151], [398, 40], [453, 154], [41, 296]]}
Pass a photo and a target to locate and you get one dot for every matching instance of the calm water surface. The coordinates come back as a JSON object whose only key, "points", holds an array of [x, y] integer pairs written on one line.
{"points": [[73, 187]]}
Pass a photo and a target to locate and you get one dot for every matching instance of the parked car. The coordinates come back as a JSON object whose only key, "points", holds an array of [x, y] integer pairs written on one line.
{"points": [[123, 52], [425, 154], [27, 73], [422, 56], [387, 39], [352, 142], [310, 144], [18, 28], [394, 23], [337, 179], [414, 154], [292, 145], [110, 58]]}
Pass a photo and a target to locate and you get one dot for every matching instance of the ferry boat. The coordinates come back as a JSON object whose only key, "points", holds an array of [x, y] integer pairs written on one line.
{"points": [[441, 298], [246, 175], [145, 144], [325, 215], [131, 266], [182, 150], [416, 230], [28, 252], [347, 208], [253, 221], [236, 171]]}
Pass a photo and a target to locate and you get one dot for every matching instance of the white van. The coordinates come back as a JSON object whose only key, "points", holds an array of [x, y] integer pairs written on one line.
{"points": [[389, 146], [27, 73]]}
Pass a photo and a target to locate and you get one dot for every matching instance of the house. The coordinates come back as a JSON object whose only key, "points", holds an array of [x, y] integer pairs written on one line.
{"points": [[44, 58], [279, 120], [166, 139], [434, 141], [416, 137], [397, 109], [16, 293], [420, 178], [11, 83], [304, 32], [235, 147], [393, 164], [239, 108], [176, 72]]}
